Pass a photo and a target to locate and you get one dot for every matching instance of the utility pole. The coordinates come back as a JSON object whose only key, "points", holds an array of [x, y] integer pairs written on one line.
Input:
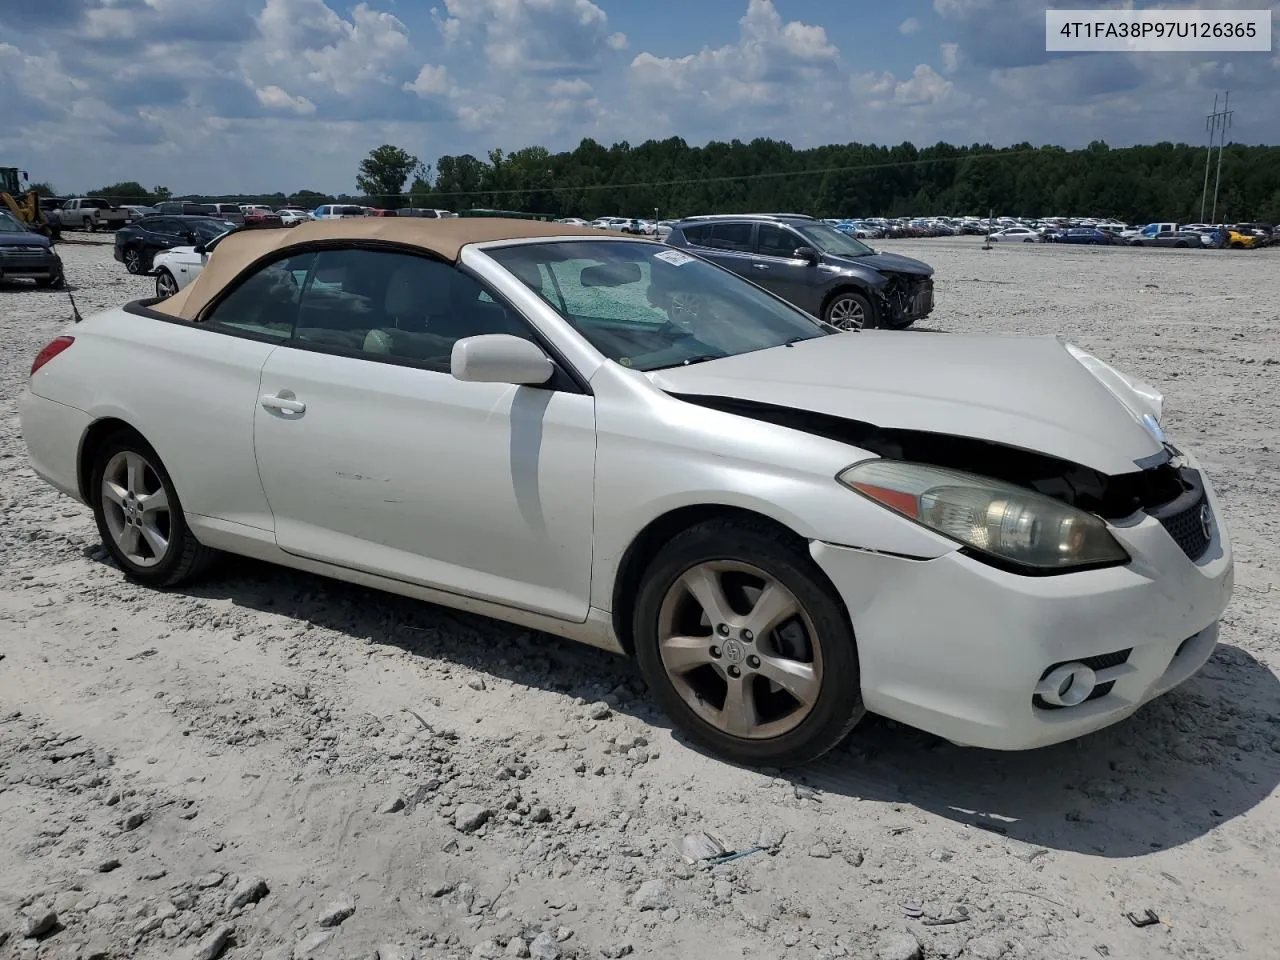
{"points": [[1225, 121], [1208, 157]]}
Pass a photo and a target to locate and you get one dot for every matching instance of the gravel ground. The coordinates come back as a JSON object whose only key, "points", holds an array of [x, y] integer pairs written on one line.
{"points": [[272, 765]]}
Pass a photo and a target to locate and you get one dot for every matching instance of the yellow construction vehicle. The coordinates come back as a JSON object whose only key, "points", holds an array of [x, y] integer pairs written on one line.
{"points": [[25, 206]]}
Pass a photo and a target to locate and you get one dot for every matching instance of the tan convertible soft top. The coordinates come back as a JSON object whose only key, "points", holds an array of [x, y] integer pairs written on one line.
{"points": [[445, 238]]}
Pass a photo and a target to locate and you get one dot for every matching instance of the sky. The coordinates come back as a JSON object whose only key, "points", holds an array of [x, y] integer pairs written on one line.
{"points": [[258, 96]]}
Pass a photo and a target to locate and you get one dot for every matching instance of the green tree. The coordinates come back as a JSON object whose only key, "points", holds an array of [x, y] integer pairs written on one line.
{"points": [[127, 191], [384, 173]]}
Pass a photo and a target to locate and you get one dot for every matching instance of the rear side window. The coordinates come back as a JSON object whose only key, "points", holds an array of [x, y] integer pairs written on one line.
{"points": [[266, 304], [721, 236]]}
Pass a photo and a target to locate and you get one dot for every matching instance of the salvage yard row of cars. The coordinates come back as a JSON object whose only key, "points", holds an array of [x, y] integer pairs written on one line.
{"points": [[1240, 236], [650, 454]]}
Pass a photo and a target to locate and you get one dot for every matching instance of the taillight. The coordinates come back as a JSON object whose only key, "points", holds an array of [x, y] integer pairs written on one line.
{"points": [[51, 350]]}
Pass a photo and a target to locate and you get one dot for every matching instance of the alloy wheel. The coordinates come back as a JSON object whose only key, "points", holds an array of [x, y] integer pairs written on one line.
{"points": [[136, 508], [740, 649], [846, 313], [166, 286], [133, 261]]}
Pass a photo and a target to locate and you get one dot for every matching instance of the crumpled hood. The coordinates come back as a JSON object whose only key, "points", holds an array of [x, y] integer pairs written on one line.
{"points": [[888, 263], [25, 239], [1025, 392]]}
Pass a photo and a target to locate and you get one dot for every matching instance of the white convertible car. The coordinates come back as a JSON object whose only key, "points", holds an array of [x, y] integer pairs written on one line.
{"points": [[615, 441]]}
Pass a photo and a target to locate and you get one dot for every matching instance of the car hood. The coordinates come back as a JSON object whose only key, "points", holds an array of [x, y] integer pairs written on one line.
{"points": [[887, 263], [1024, 392], [24, 239]]}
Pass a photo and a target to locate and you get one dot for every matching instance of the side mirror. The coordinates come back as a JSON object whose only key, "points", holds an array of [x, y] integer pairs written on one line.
{"points": [[200, 247], [499, 358], [806, 253]]}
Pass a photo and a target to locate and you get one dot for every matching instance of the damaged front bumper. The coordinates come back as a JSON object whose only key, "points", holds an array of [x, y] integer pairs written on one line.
{"points": [[904, 299]]}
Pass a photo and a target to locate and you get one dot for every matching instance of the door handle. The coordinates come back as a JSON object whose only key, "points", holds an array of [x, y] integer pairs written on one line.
{"points": [[283, 404], [759, 266]]}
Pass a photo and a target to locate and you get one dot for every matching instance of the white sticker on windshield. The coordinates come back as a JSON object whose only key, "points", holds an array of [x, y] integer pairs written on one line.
{"points": [[674, 257]]}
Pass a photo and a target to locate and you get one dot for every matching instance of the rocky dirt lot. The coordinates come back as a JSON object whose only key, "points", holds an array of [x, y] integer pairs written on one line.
{"points": [[271, 765]]}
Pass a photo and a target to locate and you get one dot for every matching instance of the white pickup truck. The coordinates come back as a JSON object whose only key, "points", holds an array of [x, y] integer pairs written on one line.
{"points": [[91, 213]]}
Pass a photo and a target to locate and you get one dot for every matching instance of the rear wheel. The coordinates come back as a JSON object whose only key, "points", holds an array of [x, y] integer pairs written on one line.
{"points": [[746, 646], [140, 517], [849, 310]]}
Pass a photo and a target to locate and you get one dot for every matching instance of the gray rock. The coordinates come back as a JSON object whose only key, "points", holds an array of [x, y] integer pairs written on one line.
{"points": [[990, 947], [898, 945], [701, 846], [653, 895], [771, 837], [392, 804], [96, 949], [470, 817], [248, 890], [210, 880], [133, 820], [617, 950], [392, 951], [214, 943], [599, 710], [311, 945], [338, 911], [487, 950], [107, 865], [820, 850], [438, 888], [38, 919], [516, 947], [544, 947], [476, 683]]}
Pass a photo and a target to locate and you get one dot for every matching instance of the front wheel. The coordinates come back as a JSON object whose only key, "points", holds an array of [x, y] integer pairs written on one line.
{"points": [[848, 310], [133, 260], [166, 286], [139, 515], [746, 646]]}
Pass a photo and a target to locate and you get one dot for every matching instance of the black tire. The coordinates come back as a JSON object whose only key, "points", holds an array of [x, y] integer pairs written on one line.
{"points": [[1182, 244], [91, 225], [834, 303], [185, 557], [133, 260], [838, 706]]}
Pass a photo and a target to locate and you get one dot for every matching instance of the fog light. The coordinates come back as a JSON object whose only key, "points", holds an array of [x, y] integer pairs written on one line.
{"points": [[1067, 685]]}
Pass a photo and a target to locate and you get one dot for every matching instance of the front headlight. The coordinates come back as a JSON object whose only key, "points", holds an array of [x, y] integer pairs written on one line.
{"points": [[994, 518]]}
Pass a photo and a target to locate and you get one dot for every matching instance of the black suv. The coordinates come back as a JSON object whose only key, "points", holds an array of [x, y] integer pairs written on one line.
{"points": [[814, 266], [138, 243]]}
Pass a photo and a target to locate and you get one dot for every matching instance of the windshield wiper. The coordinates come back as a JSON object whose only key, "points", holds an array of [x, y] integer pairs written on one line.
{"points": [[702, 358]]}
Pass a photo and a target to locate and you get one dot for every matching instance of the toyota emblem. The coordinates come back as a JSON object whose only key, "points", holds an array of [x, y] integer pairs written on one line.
{"points": [[1206, 521]]}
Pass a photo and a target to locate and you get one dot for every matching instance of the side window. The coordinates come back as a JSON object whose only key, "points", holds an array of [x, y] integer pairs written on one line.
{"points": [[731, 236], [266, 303], [698, 235], [393, 305], [777, 241]]}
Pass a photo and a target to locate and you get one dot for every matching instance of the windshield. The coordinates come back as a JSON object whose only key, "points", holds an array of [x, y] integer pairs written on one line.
{"points": [[207, 228], [10, 224], [647, 306], [831, 241]]}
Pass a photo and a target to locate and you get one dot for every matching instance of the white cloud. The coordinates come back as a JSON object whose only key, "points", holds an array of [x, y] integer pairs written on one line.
{"points": [[558, 36], [574, 89], [909, 26], [432, 81], [276, 98], [950, 56]]}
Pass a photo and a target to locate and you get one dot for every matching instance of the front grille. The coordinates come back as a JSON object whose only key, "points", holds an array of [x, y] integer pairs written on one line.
{"points": [[1102, 661], [1188, 519], [23, 253]]}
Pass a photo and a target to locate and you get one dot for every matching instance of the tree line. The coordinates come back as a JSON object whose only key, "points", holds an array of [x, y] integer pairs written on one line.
{"points": [[670, 178]]}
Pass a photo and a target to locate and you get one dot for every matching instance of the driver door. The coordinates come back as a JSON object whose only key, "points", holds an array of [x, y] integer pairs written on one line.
{"points": [[373, 457]]}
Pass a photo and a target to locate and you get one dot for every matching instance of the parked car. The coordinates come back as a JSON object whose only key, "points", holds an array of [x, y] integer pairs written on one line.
{"points": [[814, 266], [1167, 238], [337, 211], [425, 212], [26, 254], [178, 266], [187, 208], [138, 211], [91, 213], [1014, 234], [1082, 235], [137, 244], [1239, 239], [987, 537], [290, 217], [230, 212], [258, 218]]}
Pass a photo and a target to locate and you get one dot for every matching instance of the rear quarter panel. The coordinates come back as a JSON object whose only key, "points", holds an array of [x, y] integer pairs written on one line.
{"points": [[191, 393]]}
